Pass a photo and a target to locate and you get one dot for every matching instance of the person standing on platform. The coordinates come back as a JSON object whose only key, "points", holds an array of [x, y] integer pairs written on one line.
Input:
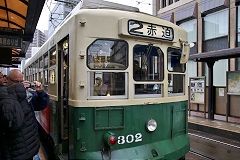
{"points": [[19, 131]]}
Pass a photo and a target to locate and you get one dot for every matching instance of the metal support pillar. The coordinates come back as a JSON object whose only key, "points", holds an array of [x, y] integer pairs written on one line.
{"points": [[210, 64]]}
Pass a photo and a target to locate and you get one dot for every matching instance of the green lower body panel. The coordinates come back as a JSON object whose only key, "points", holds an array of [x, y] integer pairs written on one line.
{"points": [[163, 150], [88, 127]]}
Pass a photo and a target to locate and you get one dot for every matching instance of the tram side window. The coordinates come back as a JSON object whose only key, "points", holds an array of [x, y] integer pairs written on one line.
{"points": [[52, 76], [45, 71], [107, 83], [174, 56], [151, 89], [31, 73], [41, 70], [107, 54], [176, 77], [36, 71], [26, 73], [46, 60], [53, 57], [148, 67], [175, 84]]}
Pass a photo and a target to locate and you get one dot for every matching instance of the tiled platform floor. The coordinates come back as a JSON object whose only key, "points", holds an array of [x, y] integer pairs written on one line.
{"points": [[228, 126], [218, 126]]}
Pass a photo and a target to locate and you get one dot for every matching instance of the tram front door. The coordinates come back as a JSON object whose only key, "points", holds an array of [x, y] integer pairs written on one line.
{"points": [[63, 92]]}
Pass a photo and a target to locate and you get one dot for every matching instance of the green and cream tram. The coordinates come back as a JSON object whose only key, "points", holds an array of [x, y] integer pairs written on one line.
{"points": [[117, 84]]}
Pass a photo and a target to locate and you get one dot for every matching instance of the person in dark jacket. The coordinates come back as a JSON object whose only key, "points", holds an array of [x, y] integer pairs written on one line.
{"points": [[18, 126]]}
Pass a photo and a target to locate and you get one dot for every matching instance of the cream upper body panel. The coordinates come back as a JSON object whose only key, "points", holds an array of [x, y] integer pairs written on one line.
{"points": [[84, 28]]}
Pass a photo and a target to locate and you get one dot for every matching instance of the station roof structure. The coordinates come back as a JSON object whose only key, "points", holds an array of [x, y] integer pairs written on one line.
{"points": [[210, 58], [216, 55], [18, 21]]}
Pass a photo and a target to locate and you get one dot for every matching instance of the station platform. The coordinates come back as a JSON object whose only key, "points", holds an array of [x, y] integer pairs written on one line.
{"points": [[221, 128]]}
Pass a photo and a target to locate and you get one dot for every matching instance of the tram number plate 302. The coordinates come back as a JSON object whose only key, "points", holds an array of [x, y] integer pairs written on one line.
{"points": [[130, 138]]}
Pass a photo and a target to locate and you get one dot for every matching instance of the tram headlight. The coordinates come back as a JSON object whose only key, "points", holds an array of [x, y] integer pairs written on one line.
{"points": [[151, 125]]}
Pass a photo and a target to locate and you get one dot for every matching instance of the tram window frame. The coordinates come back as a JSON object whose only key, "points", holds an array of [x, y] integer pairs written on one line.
{"points": [[92, 79], [148, 48], [150, 94], [31, 73], [170, 94], [41, 62], [125, 66], [41, 76], [52, 65], [183, 66], [145, 87], [34, 70], [35, 66], [45, 61], [52, 71], [52, 56], [174, 73], [41, 69], [28, 74], [45, 77], [52, 76], [26, 71], [37, 70], [45, 70]]}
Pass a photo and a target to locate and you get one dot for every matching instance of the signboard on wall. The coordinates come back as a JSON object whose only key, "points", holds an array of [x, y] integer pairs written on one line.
{"points": [[10, 41], [233, 82], [197, 87]]}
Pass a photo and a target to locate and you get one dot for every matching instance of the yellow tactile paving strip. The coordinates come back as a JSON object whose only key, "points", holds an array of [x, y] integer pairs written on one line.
{"points": [[232, 127]]}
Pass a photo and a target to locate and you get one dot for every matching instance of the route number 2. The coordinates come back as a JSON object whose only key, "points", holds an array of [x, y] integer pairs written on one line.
{"points": [[130, 138]]}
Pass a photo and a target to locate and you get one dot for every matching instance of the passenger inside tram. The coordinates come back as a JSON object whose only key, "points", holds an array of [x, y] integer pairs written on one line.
{"points": [[100, 89]]}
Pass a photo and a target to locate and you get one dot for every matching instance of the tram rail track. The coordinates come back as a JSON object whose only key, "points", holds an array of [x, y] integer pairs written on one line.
{"points": [[200, 155], [211, 148], [213, 140]]}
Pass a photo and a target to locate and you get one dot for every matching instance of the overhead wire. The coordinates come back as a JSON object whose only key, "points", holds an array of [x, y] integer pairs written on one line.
{"points": [[143, 2]]}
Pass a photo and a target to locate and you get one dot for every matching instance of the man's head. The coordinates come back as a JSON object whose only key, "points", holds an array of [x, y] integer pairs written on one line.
{"points": [[14, 77], [99, 80]]}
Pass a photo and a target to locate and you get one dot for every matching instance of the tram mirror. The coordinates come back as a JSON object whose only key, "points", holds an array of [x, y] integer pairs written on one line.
{"points": [[185, 53]]}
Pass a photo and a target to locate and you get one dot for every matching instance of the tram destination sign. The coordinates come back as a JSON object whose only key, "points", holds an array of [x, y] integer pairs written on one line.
{"points": [[145, 29], [10, 41]]}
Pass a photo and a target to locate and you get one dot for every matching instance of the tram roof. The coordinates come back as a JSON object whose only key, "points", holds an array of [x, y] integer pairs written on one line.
{"points": [[18, 21]]}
